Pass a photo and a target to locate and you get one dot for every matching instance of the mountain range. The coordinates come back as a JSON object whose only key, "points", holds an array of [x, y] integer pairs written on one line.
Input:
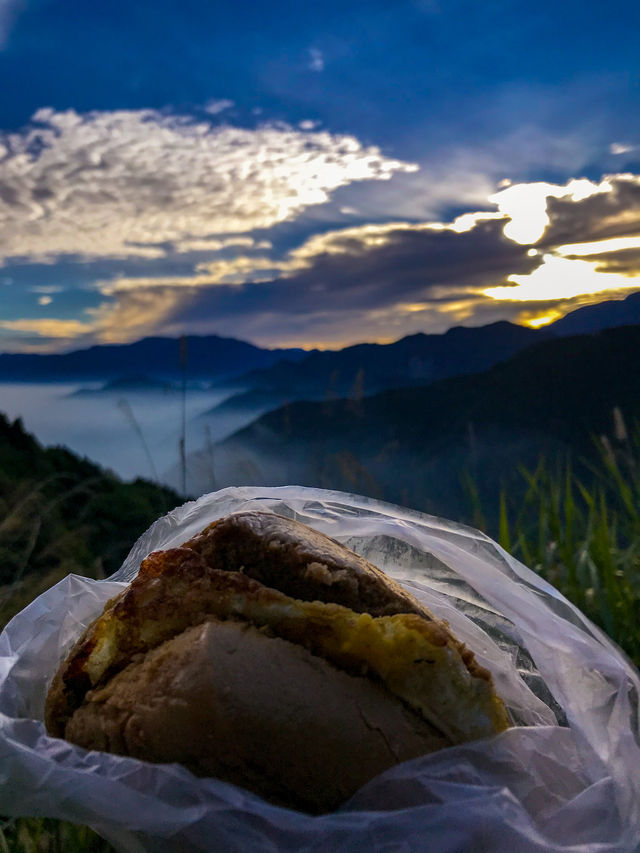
{"points": [[604, 315], [209, 357], [414, 360], [406, 421], [269, 377], [413, 445]]}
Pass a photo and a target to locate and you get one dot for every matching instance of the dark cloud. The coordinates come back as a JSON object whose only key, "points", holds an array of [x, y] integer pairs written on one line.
{"points": [[625, 262], [408, 267], [354, 284], [410, 264], [602, 216]]}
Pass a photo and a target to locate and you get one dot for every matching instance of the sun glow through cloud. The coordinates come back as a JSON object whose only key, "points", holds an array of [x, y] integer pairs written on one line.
{"points": [[526, 205], [599, 247], [561, 278], [49, 328], [538, 321]]}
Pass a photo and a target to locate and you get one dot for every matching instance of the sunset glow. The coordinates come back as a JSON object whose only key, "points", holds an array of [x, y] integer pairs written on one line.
{"points": [[600, 247], [561, 278], [540, 321]]}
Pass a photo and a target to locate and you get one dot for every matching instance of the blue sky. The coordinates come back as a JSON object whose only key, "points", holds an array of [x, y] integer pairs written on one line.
{"points": [[312, 174]]}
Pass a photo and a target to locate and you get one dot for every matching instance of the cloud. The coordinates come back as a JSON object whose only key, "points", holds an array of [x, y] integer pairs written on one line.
{"points": [[49, 328], [562, 279], [587, 236], [131, 183], [384, 280], [450, 179], [214, 107], [611, 214], [613, 245], [238, 270], [542, 250], [618, 148], [381, 281], [526, 204], [215, 244], [9, 11], [316, 60], [136, 311]]}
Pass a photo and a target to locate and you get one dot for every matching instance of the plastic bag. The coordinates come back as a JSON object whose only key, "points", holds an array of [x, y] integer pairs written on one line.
{"points": [[565, 778]]}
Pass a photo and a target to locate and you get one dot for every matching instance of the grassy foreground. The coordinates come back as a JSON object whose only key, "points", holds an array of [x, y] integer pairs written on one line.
{"points": [[582, 533], [45, 835]]}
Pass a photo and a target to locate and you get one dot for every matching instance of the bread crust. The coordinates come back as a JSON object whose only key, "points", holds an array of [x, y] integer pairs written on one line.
{"points": [[287, 555]]}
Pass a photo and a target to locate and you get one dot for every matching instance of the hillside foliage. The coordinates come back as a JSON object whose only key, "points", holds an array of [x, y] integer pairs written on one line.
{"points": [[61, 514]]}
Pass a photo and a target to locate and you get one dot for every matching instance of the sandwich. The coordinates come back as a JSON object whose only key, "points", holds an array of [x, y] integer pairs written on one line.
{"points": [[266, 654]]}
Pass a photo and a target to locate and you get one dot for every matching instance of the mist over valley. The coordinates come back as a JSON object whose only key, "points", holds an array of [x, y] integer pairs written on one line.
{"points": [[413, 422]]}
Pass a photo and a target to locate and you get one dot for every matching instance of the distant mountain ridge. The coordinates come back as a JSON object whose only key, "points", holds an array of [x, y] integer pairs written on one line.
{"points": [[413, 445], [414, 360], [282, 374], [139, 384], [207, 356], [567, 387], [595, 318]]}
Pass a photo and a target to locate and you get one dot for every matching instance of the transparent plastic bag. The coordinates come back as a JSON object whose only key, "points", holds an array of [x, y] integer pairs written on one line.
{"points": [[565, 778]]}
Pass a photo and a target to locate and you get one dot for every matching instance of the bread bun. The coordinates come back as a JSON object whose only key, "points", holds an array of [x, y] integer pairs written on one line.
{"points": [[227, 701], [265, 654]]}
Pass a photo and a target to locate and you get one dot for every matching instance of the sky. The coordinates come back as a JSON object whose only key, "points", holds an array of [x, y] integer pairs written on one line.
{"points": [[313, 174]]}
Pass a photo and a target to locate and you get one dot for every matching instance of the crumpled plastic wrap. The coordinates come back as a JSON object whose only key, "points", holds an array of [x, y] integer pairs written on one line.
{"points": [[564, 779]]}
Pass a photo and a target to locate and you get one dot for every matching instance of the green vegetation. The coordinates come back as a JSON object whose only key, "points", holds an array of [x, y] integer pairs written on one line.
{"points": [[581, 532], [45, 835], [60, 514]]}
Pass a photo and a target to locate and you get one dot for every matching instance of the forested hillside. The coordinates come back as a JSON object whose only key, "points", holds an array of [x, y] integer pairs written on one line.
{"points": [[62, 514], [416, 446]]}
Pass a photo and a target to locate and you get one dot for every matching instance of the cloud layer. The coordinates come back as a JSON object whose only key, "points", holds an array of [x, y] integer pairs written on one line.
{"points": [[136, 183], [382, 280], [163, 211], [393, 279]]}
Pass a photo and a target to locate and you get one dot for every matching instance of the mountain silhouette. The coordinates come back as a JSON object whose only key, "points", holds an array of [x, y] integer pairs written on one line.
{"points": [[413, 360], [604, 315], [207, 356], [413, 445]]}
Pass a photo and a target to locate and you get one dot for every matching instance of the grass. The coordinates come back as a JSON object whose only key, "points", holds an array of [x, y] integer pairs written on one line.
{"points": [[581, 532], [46, 835]]}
